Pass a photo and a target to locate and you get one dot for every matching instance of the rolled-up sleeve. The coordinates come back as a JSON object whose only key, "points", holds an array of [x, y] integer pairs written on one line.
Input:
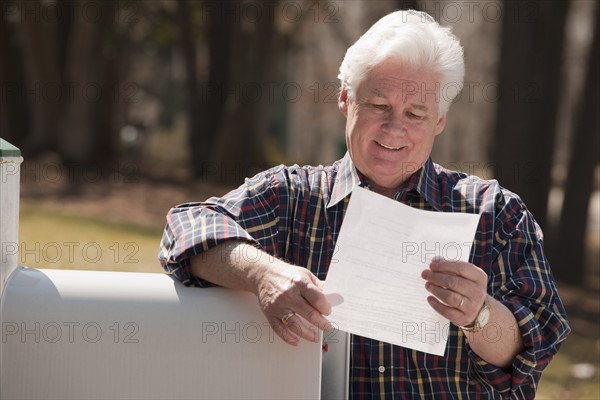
{"points": [[248, 213], [523, 282]]}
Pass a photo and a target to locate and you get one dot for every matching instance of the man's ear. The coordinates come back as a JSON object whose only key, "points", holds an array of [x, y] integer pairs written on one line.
{"points": [[441, 124], [343, 101]]}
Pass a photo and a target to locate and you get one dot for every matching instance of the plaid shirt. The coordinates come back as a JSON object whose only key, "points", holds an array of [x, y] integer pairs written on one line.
{"points": [[295, 213]]}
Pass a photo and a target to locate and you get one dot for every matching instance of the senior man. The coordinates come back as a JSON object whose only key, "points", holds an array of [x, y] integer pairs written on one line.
{"points": [[391, 81]]}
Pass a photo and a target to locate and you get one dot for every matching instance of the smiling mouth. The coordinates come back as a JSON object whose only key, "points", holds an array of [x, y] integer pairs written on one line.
{"points": [[388, 147]]}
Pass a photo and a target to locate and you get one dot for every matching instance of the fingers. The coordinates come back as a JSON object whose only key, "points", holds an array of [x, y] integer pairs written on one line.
{"points": [[460, 268], [294, 329], [294, 304], [459, 309], [458, 288], [315, 297], [452, 288], [311, 303], [449, 297], [291, 326], [457, 316], [457, 276]]}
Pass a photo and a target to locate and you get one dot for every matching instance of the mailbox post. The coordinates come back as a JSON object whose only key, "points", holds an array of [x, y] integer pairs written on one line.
{"points": [[10, 168]]}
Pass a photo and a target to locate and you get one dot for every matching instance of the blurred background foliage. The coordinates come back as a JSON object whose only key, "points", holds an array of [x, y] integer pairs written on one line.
{"points": [[124, 108]]}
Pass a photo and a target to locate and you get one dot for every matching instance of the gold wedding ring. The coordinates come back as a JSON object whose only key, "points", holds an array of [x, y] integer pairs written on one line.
{"points": [[285, 319]]}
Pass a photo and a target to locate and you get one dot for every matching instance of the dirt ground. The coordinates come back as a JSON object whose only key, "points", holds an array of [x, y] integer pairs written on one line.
{"points": [[118, 193]]}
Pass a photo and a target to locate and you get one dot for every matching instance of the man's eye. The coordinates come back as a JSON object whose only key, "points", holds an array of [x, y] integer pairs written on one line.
{"points": [[380, 106], [413, 115]]}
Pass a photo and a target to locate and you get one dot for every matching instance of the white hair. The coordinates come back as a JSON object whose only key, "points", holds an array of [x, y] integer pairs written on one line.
{"points": [[411, 37]]}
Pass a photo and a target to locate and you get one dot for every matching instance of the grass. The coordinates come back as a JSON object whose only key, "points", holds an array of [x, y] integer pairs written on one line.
{"points": [[62, 241], [558, 381]]}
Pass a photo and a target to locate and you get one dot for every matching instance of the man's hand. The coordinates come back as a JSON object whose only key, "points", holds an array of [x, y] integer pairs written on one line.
{"points": [[292, 299], [459, 289]]}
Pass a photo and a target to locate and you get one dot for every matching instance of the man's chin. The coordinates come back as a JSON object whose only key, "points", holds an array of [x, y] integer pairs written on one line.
{"points": [[394, 171]]}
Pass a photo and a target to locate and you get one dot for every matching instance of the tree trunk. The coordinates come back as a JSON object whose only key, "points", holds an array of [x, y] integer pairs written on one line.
{"points": [[240, 147], [529, 73], [13, 107], [78, 135], [570, 248], [206, 100], [407, 4], [197, 136], [105, 132], [43, 89], [221, 32]]}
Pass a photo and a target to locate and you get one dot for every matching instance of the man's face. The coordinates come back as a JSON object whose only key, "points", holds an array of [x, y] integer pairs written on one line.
{"points": [[391, 123]]}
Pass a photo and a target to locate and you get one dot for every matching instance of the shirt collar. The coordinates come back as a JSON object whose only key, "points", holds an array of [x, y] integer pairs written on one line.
{"points": [[346, 179], [423, 181]]}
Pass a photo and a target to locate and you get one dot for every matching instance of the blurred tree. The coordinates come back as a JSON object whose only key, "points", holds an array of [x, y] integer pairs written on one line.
{"points": [[570, 246], [43, 87], [407, 4], [79, 139], [13, 120], [58, 78], [529, 72], [206, 102], [228, 117], [241, 137], [200, 141]]}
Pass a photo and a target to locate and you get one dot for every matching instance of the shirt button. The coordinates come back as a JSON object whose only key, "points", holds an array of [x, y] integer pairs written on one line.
{"points": [[381, 369]]}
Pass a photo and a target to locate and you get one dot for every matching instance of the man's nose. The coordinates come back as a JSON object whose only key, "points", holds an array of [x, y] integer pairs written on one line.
{"points": [[394, 124]]}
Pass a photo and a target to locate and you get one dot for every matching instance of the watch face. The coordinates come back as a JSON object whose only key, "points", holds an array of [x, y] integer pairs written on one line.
{"points": [[484, 316]]}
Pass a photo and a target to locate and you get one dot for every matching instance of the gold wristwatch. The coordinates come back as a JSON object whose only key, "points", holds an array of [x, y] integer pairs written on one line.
{"points": [[481, 320]]}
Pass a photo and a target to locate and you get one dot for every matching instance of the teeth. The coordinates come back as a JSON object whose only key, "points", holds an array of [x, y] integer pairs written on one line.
{"points": [[388, 147]]}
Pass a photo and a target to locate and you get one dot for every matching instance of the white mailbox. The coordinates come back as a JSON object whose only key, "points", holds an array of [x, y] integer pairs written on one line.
{"points": [[109, 335], [115, 335]]}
